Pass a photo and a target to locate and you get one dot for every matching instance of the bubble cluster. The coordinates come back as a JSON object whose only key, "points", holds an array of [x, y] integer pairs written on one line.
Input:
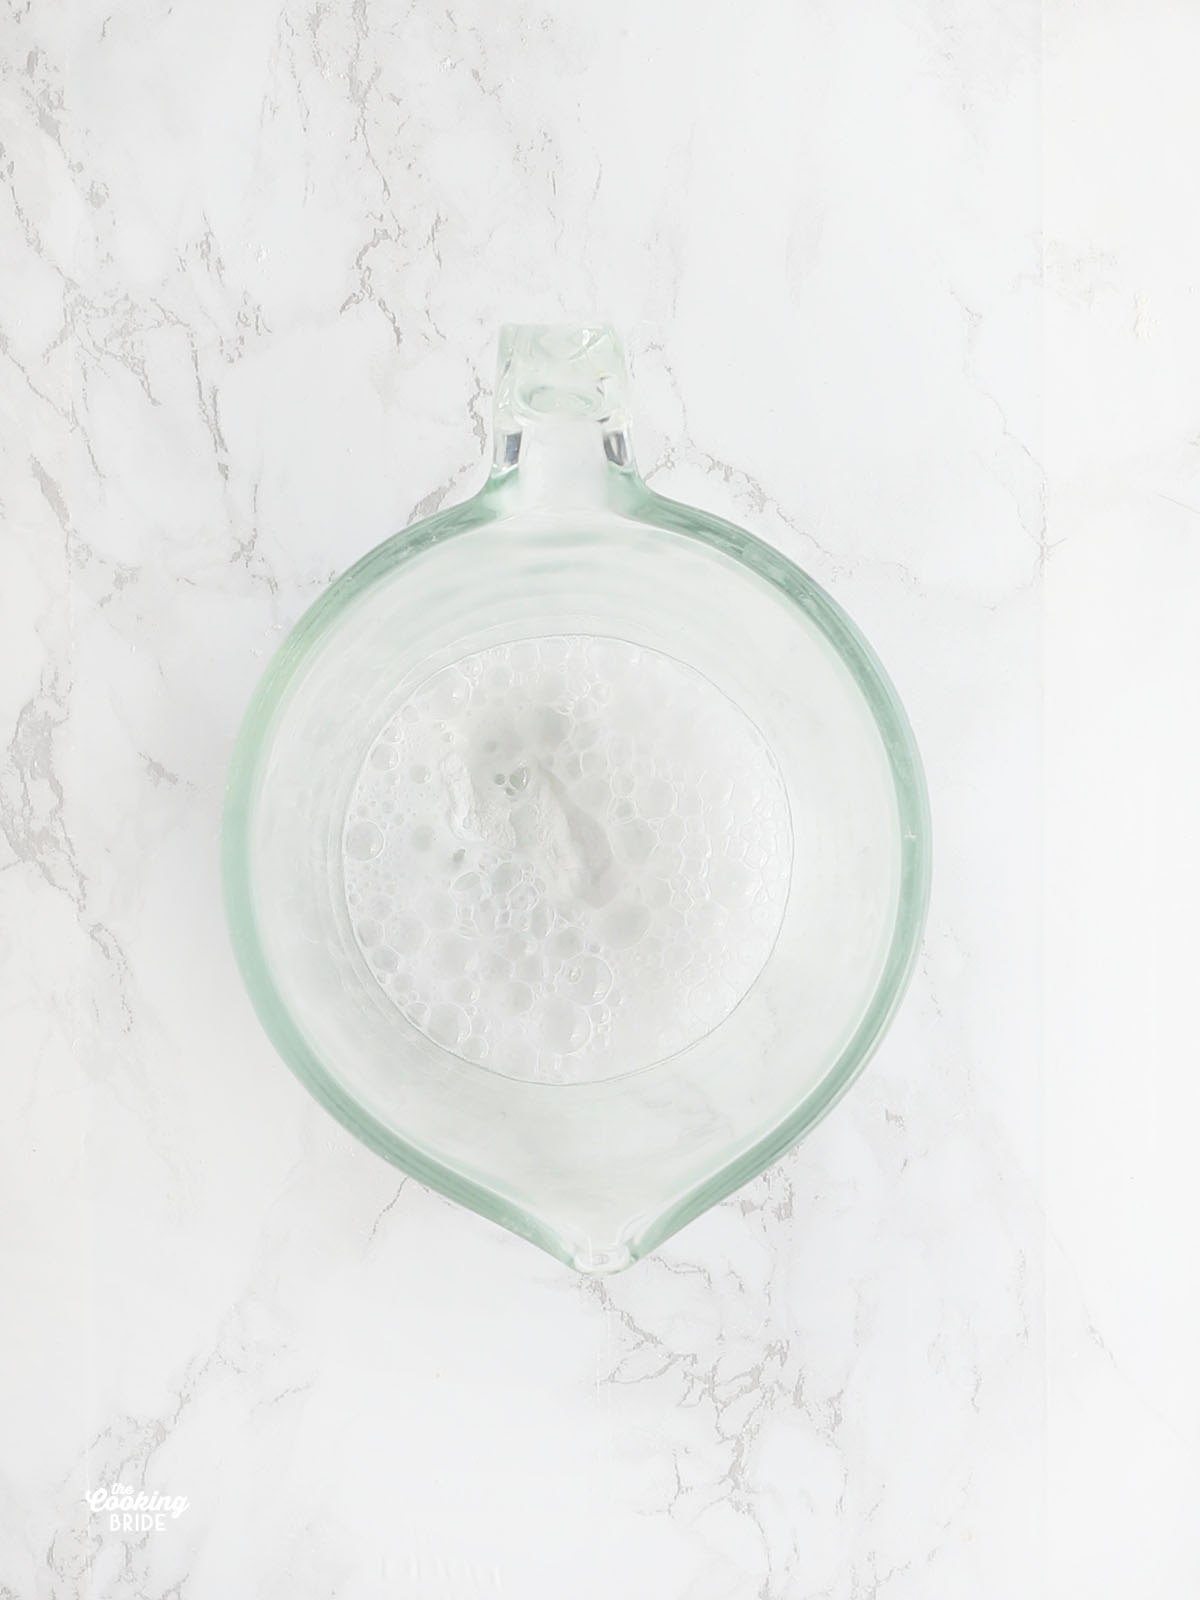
{"points": [[567, 857]]}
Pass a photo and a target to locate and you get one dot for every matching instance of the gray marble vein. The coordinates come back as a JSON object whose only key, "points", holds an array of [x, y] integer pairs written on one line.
{"points": [[254, 257]]}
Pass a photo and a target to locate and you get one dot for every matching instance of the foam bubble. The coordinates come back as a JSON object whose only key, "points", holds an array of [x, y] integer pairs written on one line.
{"points": [[571, 855]]}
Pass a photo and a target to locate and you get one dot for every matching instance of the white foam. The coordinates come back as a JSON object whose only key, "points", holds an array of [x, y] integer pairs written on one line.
{"points": [[567, 857]]}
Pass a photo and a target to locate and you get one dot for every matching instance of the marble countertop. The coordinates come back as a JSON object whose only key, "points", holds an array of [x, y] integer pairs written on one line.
{"points": [[909, 291]]}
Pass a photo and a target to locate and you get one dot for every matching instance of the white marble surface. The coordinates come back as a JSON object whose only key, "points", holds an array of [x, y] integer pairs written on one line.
{"points": [[254, 256]]}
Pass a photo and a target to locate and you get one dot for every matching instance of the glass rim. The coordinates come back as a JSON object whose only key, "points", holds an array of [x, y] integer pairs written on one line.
{"points": [[253, 742]]}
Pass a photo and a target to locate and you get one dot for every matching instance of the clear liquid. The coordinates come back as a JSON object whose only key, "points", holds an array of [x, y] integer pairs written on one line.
{"points": [[568, 857]]}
